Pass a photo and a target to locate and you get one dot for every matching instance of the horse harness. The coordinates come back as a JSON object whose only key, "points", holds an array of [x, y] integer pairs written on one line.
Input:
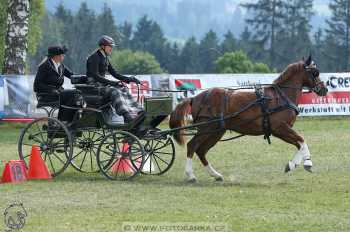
{"points": [[262, 101]]}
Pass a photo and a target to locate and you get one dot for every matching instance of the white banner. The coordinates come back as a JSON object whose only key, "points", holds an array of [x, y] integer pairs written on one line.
{"points": [[18, 100], [2, 98], [335, 103]]}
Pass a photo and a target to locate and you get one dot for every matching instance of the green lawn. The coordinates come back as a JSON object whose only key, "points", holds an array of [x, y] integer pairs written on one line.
{"points": [[255, 196]]}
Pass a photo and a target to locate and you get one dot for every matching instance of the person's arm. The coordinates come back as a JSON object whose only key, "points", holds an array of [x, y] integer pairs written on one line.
{"points": [[116, 75], [92, 71], [126, 79], [67, 72]]}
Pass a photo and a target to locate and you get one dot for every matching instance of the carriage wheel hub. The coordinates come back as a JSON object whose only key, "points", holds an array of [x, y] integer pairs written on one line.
{"points": [[86, 144]]}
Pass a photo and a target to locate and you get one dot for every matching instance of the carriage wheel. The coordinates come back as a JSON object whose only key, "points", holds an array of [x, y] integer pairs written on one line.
{"points": [[52, 138], [85, 149], [159, 155], [120, 156]]}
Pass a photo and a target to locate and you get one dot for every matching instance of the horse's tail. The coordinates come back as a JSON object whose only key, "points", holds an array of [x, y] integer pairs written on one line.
{"points": [[177, 119]]}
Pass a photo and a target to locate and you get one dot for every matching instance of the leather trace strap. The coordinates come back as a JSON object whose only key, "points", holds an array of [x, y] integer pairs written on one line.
{"points": [[262, 100]]}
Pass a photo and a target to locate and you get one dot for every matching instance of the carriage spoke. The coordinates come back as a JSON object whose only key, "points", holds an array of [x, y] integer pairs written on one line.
{"points": [[162, 152], [160, 159], [53, 168], [150, 168], [109, 166], [58, 142], [155, 146], [77, 154], [83, 160], [91, 161], [40, 132], [58, 158], [26, 156], [103, 161], [128, 163]]}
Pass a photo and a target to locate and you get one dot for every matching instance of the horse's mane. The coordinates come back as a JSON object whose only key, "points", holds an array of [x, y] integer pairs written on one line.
{"points": [[289, 71]]}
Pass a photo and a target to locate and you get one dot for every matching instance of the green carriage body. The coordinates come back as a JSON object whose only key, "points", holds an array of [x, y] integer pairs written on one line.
{"points": [[91, 130]]}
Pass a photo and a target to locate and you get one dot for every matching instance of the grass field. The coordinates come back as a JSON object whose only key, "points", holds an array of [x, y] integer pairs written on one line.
{"points": [[255, 196]]}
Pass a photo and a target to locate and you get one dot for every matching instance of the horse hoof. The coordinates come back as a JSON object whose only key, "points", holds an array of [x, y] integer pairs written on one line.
{"points": [[308, 168], [287, 168], [219, 179], [191, 181]]}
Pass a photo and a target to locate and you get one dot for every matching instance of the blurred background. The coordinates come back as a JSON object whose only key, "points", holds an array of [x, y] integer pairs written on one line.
{"points": [[190, 36]]}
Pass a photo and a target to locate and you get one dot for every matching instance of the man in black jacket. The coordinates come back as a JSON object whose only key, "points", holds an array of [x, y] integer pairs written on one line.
{"points": [[49, 81], [97, 65]]}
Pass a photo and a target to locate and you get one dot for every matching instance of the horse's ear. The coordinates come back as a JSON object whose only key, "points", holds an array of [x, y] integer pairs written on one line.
{"points": [[308, 61]]}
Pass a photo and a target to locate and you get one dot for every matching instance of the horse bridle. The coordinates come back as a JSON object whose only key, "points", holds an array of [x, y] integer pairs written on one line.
{"points": [[313, 73]]}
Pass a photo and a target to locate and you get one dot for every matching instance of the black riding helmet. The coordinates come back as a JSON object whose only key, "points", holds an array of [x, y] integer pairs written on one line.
{"points": [[106, 40]]}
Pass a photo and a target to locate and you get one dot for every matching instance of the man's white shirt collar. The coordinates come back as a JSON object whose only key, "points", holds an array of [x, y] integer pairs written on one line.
{"points": [[56, 64], [103, 53]]}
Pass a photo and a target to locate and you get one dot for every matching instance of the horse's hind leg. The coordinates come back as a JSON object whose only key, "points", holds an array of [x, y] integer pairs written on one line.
{"points": [[287, 134], [203, 149]]}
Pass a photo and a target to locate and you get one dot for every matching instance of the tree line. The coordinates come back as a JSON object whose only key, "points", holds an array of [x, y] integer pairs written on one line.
{"points": [[278, 32], [21, 33], [142, 48]]}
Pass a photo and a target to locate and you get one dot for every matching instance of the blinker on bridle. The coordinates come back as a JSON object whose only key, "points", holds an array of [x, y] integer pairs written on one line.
{"points": [[313, 73]]}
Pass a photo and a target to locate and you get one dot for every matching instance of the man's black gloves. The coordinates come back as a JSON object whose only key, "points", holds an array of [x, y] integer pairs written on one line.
{"points": [[134, 79]]}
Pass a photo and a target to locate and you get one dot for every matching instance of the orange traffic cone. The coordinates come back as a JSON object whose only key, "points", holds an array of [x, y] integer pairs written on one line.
{"points": [[123, 165], [15, 172], [125, 147], [37, 166]]}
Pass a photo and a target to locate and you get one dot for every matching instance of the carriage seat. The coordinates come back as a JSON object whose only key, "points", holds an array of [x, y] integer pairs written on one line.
{"points": [[92, 94], [48, 100]]}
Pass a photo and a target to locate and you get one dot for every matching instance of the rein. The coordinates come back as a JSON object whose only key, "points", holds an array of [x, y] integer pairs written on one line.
{"points": [[161, 90]]}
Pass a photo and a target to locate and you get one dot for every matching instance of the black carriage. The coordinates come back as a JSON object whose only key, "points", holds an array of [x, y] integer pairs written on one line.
{"points": [[97, 140]]}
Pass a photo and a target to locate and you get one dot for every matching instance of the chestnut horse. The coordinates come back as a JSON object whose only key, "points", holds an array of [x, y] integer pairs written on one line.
{"points": [[237, 113]]}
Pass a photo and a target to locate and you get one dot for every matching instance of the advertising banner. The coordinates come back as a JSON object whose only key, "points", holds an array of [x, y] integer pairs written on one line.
{"points": [[336, 102], [17, 99]]}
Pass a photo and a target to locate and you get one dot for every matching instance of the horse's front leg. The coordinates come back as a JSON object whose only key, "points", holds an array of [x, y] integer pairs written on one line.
{"points": [[287, 134], [303, 154]]}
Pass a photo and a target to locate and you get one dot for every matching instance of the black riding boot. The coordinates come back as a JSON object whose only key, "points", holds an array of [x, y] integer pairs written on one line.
{"points": [[127, 117]]}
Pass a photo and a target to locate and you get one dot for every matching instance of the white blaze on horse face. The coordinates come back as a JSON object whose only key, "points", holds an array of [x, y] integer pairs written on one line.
{"points": [[189, 170]]}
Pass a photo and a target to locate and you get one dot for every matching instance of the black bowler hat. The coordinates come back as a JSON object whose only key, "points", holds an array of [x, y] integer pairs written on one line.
{"points": [[56, 50]]}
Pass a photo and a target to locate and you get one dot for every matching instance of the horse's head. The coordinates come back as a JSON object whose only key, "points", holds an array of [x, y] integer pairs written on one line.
{"points": [[311, 78]]}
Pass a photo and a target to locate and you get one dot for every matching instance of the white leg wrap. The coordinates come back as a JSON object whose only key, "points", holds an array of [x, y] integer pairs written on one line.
{"points": [[189, 170], [303, 154], [306, 154], [297, 157], [212, 172]]}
